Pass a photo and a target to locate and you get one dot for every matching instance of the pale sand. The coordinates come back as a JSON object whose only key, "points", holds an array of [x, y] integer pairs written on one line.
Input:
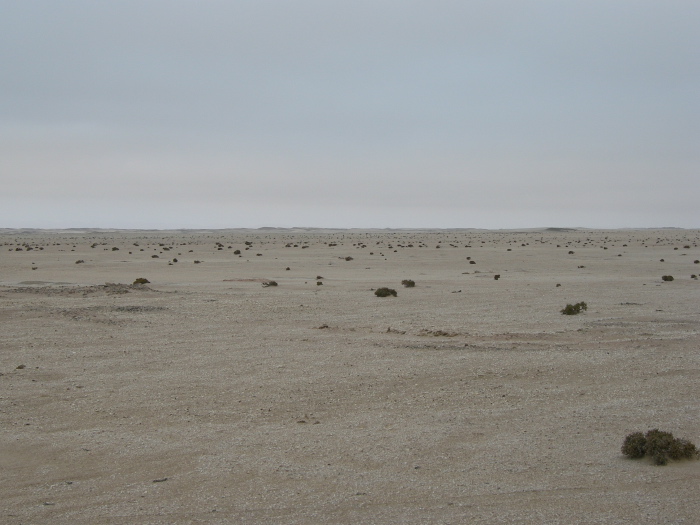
{"points": [[256, 414]]}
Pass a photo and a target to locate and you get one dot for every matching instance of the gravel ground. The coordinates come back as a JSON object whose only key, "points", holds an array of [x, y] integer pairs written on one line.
{"points": [[206, 397]]}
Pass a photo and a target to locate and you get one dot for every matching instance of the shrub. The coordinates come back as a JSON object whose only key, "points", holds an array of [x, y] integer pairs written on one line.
{"points": [[408, 283], [385, 292], [667, 277], [659, 445], [574, 309], [236, 252], [141, 280], [269, 283], [348, 258], [497, 276], [634, 445], [79, 261]]}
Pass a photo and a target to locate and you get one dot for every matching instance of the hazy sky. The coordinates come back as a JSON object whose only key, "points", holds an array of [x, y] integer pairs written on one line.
{"points": [[249, 113]]}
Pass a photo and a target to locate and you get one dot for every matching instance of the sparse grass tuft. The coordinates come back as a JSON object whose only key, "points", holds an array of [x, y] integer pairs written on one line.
{"points": [[574, 309]]}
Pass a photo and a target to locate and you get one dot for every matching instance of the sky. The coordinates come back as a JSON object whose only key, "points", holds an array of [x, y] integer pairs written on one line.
{"points": [[349, 114]]}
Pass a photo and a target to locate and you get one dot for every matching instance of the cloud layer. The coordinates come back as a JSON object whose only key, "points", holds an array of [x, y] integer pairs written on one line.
{"points": [[355, 114]]}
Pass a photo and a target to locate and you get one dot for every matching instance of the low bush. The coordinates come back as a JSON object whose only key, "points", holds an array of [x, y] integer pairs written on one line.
{"points": [[667, 277], [574, 309], [408, 283], [660, 446], [385, 292], [269, 283], [141, 280]]}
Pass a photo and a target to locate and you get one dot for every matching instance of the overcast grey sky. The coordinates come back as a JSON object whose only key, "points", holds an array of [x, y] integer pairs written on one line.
{"points": [[249, 113]]}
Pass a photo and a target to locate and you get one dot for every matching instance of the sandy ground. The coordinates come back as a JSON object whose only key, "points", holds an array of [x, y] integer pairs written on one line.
{"points": [[205, 397]]}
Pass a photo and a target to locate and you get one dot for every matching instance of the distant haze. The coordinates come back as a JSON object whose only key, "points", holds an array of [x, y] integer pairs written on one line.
{"points": [[367, 114]]}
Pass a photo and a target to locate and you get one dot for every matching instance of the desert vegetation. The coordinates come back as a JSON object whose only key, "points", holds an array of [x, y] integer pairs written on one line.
{"points": [[660, 446], [574, 309]]}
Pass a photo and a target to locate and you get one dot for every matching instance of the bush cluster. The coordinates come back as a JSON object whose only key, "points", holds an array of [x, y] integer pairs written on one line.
{"points": [[574, 309], [659, 445], [385, 292]]}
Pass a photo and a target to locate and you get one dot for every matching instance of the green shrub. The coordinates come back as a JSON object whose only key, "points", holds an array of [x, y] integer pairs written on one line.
{"points": [[634, 445], [667, 277], [408, 283], [660, 446], [385, 292], [574, 309], [141, 280]]}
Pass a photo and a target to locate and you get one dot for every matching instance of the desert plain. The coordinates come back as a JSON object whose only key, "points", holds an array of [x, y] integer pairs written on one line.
{"points": [[208, 395]]}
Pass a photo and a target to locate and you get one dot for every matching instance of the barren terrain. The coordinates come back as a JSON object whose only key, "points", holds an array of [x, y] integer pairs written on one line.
{"points": [[204, 396]]}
